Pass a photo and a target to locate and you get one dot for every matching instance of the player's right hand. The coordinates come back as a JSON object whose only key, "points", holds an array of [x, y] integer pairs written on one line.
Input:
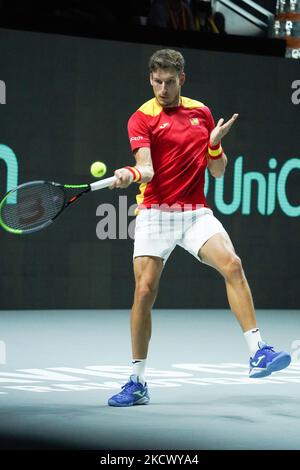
{"points": [[124, 179]]}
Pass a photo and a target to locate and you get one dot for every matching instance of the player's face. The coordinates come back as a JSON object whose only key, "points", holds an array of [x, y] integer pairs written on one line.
{"points": [[166, 84]]}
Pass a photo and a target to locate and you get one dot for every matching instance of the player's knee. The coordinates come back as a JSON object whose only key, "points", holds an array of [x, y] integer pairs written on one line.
{"points": [[145, 292], [233, 267]]}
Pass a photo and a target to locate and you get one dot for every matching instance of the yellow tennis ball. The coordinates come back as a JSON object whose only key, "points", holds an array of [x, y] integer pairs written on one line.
{"points": [[98, 169]]}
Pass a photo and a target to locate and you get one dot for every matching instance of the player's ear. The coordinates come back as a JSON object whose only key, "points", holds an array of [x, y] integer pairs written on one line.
{"points": [[151, 79], [181, 78]]}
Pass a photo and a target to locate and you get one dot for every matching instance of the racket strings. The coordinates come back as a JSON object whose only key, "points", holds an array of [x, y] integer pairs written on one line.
{"points": [[35, 205]]}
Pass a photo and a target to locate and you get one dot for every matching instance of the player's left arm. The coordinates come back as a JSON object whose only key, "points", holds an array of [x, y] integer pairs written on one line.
{"points": [[216, 157]]}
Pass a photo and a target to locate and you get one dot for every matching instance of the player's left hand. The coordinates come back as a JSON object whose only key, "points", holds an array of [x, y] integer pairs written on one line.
{"points": [[221, 130]]}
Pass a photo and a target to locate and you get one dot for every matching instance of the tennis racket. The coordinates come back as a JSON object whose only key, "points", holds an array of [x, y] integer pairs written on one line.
{"points": [[35, 205]]}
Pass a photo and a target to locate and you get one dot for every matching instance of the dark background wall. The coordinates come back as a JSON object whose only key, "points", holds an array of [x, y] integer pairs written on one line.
{"points": [[67, 104]]}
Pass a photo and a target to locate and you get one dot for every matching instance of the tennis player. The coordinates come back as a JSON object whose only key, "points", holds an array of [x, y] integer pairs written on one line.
{"points": [[174, 139]]}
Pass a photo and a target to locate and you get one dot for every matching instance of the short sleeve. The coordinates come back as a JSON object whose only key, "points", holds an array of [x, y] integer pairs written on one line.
{"points": [[210, 120], [138, 131]]}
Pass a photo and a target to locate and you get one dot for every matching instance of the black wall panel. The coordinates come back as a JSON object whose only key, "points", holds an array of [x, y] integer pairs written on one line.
{"points": [[67, 104]]}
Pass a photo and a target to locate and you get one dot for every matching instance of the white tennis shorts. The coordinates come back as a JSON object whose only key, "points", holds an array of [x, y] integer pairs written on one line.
{"points": [[157, 232]]}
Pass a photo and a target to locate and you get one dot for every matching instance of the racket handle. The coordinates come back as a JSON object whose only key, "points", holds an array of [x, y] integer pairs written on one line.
{"points": [[102, 183]]}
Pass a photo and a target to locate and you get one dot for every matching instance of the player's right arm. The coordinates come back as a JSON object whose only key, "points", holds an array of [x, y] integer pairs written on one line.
{"points": [[142, 172], [140, 142], [144, 163]]}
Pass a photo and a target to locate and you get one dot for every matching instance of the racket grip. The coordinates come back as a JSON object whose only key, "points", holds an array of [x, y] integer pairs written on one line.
{"points": [[102, 183]]}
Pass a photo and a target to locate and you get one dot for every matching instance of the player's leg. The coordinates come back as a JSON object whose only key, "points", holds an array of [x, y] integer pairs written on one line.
{"points": [[219, 253], [209, 242], [152, 247], [147, 272]]}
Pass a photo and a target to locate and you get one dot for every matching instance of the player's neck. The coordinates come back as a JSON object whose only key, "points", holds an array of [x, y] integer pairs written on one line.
{"points": [[174, 104]]}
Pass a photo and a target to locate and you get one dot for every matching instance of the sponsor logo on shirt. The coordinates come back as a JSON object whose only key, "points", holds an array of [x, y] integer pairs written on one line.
{"points": [[194, 121], [165, 124], [139, 137]]}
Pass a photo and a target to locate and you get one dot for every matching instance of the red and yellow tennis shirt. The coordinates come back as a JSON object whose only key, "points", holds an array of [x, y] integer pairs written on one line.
{"points": [[178, 138]]}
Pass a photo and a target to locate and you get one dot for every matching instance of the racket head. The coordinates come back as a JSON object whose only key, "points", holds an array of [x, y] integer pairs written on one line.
{"points": [[31, 206]]}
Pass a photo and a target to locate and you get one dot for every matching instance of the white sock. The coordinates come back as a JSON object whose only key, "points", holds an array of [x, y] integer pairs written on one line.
{"points": [[138, 369], [252, 338]]}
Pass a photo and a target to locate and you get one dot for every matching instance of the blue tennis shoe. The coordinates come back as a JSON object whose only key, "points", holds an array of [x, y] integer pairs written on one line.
{"points": [[132, 393], [266, 361]]}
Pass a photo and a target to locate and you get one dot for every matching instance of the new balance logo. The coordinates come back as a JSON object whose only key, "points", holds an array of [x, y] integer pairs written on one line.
{"points": [[165, 124], [255, 364]]}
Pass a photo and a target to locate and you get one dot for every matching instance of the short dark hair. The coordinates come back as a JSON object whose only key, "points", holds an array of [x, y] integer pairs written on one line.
{"points": [[166, 59]]}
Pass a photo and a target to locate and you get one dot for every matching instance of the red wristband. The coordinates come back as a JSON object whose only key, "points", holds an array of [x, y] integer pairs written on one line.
{"points": [[140, 174], [131, 171], [135, 173], [214, 147], [218, 157], [215, 151]]}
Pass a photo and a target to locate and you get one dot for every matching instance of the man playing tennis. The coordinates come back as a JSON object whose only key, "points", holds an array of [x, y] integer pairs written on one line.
{"points": [[174, 139]]}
